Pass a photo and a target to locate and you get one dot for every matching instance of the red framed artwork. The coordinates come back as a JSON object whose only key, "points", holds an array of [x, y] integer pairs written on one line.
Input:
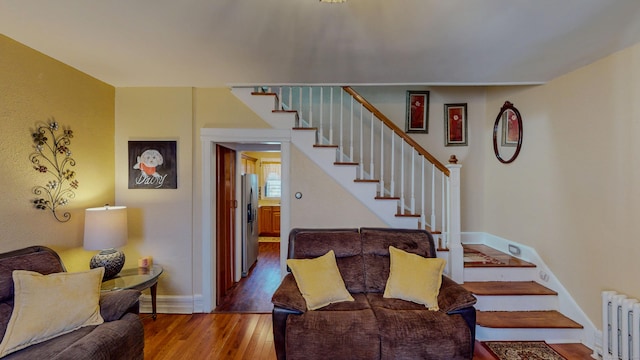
{"points": [[417, 112], [510, 128], [455, 124]]}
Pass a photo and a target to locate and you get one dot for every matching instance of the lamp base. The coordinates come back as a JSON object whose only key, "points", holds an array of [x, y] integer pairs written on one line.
{"points": [[111, 260]]}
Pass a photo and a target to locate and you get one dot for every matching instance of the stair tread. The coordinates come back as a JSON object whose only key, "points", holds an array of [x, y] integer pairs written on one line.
{"points": [[497, 258], [507, 288], [366, 180], [549, 319], [346, 163]]}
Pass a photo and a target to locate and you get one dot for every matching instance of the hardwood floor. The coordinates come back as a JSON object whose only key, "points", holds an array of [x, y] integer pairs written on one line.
{"points": [[246, 336], [253, 293], [241, 326]]}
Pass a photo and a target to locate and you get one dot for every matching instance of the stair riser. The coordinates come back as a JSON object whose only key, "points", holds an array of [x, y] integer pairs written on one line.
{"points": [[499, 274], [552, 336], [517, 302]]}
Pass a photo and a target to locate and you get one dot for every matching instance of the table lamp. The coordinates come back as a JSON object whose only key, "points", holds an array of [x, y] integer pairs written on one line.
{"points": [[105, 229]]}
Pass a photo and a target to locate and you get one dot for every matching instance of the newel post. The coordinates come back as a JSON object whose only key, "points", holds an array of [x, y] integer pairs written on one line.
{"points": [[456, 254]]}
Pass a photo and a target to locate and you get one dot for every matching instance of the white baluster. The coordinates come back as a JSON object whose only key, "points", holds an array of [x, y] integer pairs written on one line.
{"points": [[331, 117], [321, 140], [393, 165], [341, 126], [310, 106], [413, 179], [290, 97], [351, 133], [371, 166], [381, 184], [361, 146], [280, 98], [402, 176], [423, 217], [433, 198], [444, 213]]}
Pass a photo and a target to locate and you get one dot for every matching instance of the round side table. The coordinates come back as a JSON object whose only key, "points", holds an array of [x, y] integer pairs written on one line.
{"points": [[136, 279]]}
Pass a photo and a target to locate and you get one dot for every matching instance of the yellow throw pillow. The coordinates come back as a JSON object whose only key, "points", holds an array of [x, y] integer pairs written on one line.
{"points": [[414, 278], [47, 306], [319, 280]]}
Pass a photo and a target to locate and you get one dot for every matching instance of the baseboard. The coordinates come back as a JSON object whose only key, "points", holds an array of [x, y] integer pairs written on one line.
{"points": [[169, 304]]}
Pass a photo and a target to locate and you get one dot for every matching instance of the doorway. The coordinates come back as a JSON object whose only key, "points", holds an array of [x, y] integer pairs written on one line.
{"points": [[236, 139]]}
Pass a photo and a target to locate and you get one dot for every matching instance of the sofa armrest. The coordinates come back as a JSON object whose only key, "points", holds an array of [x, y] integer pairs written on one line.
{"points": [[115, 304], [453, 296], [288, 296]]}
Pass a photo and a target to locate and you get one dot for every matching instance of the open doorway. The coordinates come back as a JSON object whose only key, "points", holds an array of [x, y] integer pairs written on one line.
{"points": [[258, 270], [207, 248]]}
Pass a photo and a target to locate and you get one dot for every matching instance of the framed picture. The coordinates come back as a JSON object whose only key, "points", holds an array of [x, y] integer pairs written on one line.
{"points": [[153, 165], [417, 112], [455, 124], [510, 128]]}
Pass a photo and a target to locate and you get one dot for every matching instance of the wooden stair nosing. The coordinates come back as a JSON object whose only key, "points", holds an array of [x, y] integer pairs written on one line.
{"points": [[366, 180], [547, 319], [507, 288], [264, 93], [344, 163], [325, 146], [305, 128], [408, 215], [387, 198], [284, 111]]}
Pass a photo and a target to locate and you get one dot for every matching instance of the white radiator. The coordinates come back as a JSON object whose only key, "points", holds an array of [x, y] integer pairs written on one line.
{"points": [[620, 327]]}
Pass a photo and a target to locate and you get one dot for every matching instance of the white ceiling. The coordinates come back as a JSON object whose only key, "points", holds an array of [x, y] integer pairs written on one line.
{"points": [[206, 43]]}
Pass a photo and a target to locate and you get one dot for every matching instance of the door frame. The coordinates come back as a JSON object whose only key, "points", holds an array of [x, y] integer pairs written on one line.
{"points": [[210, 138]]}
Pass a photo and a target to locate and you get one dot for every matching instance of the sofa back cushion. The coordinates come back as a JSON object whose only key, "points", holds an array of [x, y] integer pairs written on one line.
{"points": [[345, 243], [43, 262], [375, 249]]}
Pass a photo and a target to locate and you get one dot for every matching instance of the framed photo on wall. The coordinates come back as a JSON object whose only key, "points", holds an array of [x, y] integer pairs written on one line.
{"points": [[455, 124], [153, 165], [417, 112], [510, 128]]}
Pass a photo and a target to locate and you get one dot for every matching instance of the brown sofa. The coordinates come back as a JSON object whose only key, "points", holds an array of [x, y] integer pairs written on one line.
{"points": [[121, 336], [371, 327]]}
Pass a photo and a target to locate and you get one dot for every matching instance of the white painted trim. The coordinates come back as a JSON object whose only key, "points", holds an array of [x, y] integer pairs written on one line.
{"points": [[168, 304], [209, 138]]}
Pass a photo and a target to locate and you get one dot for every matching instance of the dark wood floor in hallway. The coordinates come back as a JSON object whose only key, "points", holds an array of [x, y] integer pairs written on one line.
{"points": [[253, 293]]}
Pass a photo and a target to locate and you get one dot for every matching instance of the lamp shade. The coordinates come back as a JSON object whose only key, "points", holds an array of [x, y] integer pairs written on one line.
{"points": [[105, 227]]}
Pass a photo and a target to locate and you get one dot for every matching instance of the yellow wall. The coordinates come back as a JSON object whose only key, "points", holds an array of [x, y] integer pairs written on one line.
{"points": [[33, 89], [573, 194]]}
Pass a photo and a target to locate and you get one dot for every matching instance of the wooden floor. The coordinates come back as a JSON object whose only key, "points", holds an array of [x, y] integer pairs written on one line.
{"points": [[246, 336], [253, 293], [241, 326]]}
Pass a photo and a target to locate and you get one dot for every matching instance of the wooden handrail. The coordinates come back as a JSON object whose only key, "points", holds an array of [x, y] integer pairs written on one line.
{"points": [[396, 129]]}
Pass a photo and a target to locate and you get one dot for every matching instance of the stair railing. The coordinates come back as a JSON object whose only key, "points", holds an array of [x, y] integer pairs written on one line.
{"points": [[424, 187]]}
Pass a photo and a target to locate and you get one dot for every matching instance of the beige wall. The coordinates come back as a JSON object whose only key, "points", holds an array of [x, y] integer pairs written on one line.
{"points": [[391, 101], [573, 193], [33, 89]]}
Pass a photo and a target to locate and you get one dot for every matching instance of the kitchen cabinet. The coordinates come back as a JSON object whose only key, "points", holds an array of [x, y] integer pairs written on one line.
{"points": [[269, 221]]}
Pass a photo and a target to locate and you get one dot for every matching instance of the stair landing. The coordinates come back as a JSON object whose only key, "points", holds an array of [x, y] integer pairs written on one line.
{"points": [[475, 253]]}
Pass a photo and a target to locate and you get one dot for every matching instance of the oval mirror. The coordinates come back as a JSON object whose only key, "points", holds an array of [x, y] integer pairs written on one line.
{"points": [[507, 133]]}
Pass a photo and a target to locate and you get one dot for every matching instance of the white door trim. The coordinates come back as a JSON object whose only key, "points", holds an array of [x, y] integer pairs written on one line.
{"points": [[209, 138]]}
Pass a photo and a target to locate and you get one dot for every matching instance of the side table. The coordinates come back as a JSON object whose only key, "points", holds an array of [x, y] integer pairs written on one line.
{"points": [[136, 279]]}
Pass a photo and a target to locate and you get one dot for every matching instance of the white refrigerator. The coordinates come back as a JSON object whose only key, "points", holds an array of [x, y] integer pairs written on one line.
{"points": [[249, 221]]}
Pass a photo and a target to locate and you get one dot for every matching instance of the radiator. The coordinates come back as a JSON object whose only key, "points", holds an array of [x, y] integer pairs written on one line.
{"points": [[620, 327]]}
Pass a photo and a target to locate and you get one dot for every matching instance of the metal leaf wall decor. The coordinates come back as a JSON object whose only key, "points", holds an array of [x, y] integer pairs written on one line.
{"points": [[52, 156]]}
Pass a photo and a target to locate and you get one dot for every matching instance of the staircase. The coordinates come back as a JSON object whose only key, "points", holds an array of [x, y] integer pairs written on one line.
{"points": [[514, 307], [511, 305]]}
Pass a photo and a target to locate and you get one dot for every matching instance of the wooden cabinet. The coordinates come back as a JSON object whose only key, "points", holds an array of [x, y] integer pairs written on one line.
{"points": [[269, 221], [248, 164]]}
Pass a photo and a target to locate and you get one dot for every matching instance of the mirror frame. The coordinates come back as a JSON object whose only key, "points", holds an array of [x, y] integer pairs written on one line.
{"points": [[507, 106]]}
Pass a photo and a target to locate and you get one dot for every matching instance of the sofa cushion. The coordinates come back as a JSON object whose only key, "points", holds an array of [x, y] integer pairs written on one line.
{"points": [[414, 278], [319, 280], [375, 248], [346, 243], [47, 306], [43, 262], [422, 334], [114, 304], [333, 334]]}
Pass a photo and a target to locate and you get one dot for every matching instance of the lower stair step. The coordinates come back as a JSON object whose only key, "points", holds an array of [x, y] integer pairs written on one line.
{"points": [[525, 319], [507, 288]]}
